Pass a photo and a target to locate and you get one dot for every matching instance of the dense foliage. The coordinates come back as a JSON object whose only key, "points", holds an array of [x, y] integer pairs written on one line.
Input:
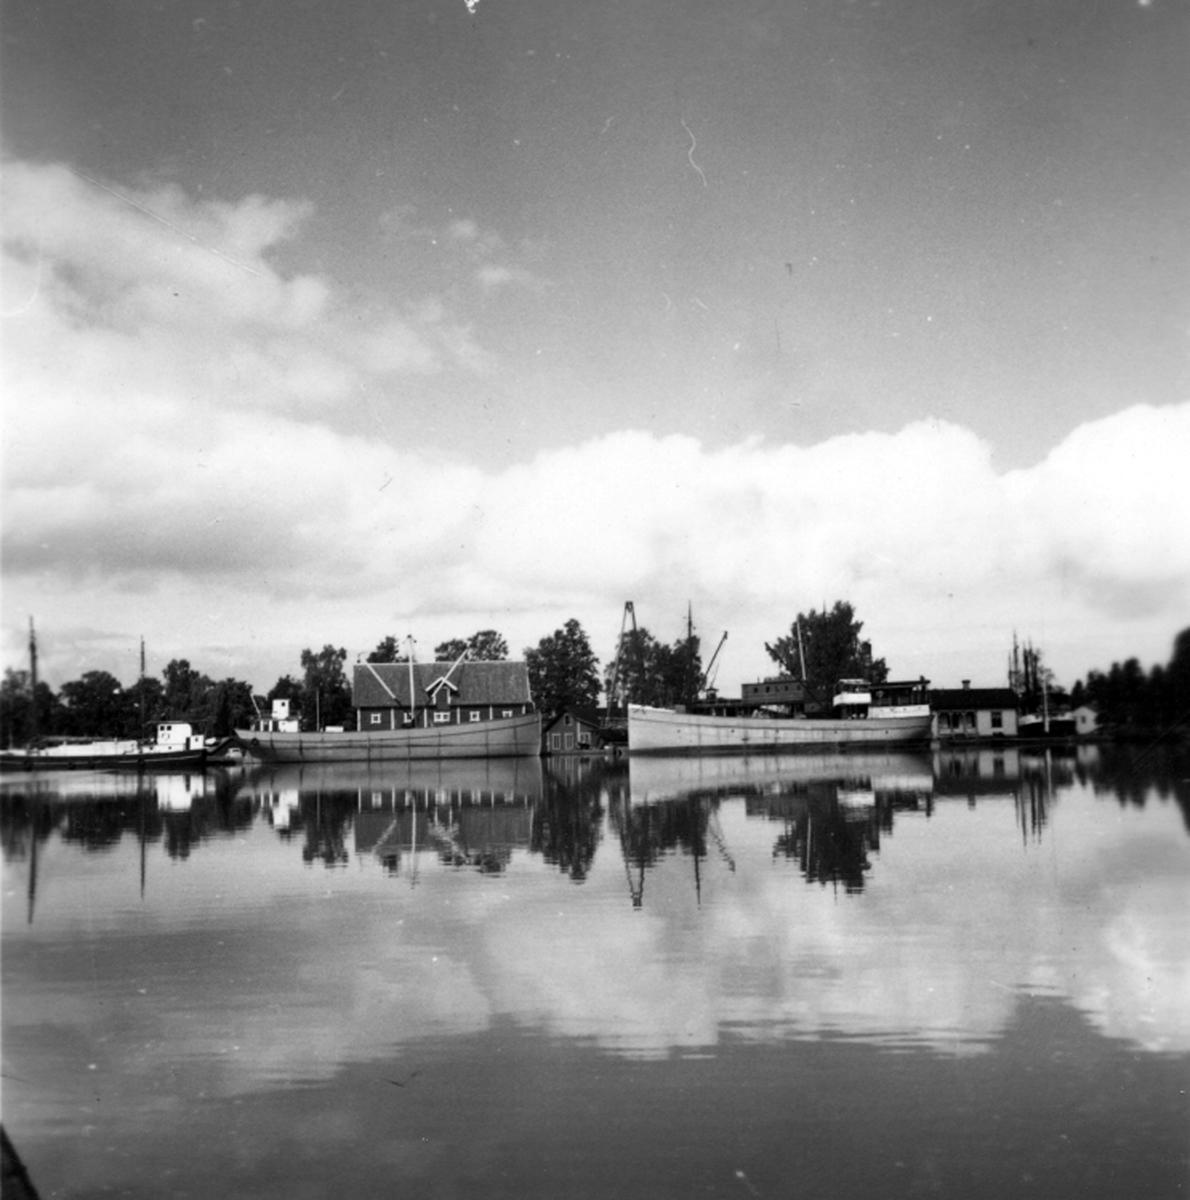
{"points": [[98, 705], [486, 645], [649, 672], [563, 670], [831, 648], [1129, 701]]}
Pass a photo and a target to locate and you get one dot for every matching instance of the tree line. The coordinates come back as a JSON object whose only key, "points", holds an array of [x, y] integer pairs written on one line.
{"points": [[1130, 701], [563, 672], [97, 704]]}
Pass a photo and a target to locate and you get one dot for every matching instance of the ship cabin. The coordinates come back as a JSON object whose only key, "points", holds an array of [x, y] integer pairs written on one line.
{"points": [[177, 735], [779, 696], [280, 719], [900, 698], [402, 695], [852, 699]]}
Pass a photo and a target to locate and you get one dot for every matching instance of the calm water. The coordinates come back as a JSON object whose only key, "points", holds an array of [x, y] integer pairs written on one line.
{"points": [[836, 977]]}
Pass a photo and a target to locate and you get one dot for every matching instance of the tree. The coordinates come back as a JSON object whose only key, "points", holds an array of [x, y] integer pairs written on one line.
{"points": [[327, 694], [649, 672], [563, 670], [16, 709], [832, 648], [188, 694], [388, 650], [288, 688], [233, 707], [485, 646], [145, 703], [94, 706]]}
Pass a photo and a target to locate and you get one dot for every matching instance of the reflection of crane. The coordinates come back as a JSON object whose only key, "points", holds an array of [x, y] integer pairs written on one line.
{"points": [[716, 832]]}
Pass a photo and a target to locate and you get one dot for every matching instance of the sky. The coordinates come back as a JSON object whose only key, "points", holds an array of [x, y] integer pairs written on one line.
{"points": [[324, 323]]}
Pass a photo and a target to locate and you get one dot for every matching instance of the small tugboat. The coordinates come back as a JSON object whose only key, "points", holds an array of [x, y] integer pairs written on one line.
{"points": [[175, 746]]}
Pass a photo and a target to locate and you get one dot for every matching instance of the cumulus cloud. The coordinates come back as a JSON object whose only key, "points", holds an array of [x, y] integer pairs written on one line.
{"points": [[180, 414]]}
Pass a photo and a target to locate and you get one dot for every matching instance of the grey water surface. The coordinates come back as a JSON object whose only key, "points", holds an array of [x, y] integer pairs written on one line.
{"points": [[960, 974]]}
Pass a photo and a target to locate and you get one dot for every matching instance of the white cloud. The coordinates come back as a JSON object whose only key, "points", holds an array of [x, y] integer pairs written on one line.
{"points": [[205, 449]]}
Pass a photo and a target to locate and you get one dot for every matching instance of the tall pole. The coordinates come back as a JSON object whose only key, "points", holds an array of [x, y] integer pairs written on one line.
{"points": [[33, 731], [412, 698]]}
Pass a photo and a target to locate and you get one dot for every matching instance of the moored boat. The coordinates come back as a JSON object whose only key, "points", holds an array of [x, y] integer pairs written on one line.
{"points": [[416, 711], [903, 718], [655, 730], [175, 746], [504, 737]]}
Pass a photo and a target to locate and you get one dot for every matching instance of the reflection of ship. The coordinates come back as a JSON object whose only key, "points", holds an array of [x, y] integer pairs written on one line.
{"points": [[903, 720], [175, 746], [170, 790], [465, 781], [834, 808], [670, 777]]}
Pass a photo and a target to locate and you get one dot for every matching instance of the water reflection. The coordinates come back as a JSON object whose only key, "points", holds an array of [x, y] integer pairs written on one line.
{"points": [[181, 941], [832, 812]]}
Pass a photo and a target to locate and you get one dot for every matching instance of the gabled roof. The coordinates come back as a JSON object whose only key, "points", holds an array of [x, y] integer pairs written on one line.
{"points": [[582, 715], [953, 699], [386, 685]]}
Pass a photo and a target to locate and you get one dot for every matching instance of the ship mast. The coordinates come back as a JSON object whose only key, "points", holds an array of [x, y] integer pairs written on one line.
{"points": [[32, 683]]}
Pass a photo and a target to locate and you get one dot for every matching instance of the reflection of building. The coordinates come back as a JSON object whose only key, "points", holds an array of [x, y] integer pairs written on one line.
{"points": [[176, 793], [977, 771], [459, 836], [969, 712]]}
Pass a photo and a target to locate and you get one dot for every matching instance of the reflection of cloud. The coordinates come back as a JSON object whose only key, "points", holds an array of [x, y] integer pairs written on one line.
{"points": [[929, 955], [1136, 985]]}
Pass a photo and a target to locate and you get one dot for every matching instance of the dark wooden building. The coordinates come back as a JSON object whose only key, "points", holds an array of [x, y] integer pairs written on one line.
{"points": [[387, 697], [575, 731]]}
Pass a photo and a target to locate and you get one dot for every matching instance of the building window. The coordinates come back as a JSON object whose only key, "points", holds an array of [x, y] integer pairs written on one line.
{"points": [[566, 719], [584, 740], [997, 719], [555, 741], [570, 741], [971, 722], [442, 718], [376, 718], [473, 715]]}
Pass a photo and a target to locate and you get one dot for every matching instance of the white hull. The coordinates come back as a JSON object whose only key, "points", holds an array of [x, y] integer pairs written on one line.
{"points": [[508, 737], [662, 730]]}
